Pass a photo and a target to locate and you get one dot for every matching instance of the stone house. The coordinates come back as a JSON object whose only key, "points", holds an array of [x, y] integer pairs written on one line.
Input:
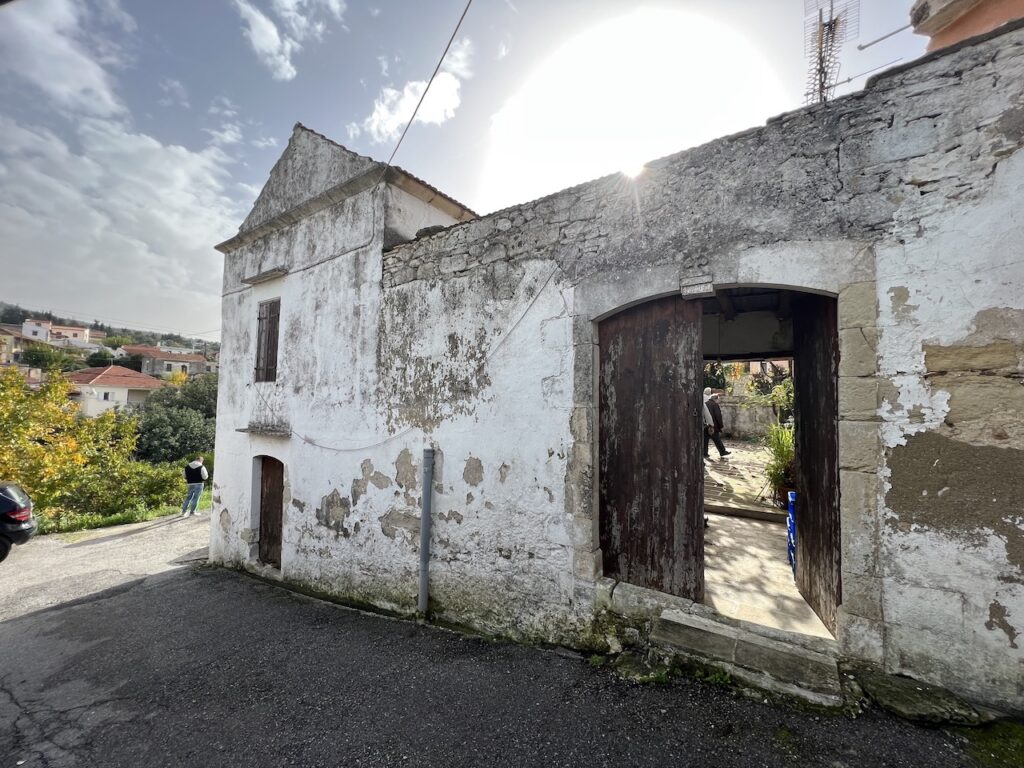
{"points": [[160, 362], [97, 390], [550, 353], [12, 344]]}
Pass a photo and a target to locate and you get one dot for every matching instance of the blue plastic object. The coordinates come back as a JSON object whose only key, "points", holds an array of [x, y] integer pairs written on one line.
{"points": [[791, 531]]}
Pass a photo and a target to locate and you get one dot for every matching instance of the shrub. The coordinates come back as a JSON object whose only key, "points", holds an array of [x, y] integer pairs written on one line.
{"points": [[169, 433], [159, 484], [73, 467], [779, 398], [781, 468], [714, 375]]}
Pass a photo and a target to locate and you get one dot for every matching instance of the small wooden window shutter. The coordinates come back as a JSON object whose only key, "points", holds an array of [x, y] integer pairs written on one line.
{"points": [[266, 340], [273, 321]]}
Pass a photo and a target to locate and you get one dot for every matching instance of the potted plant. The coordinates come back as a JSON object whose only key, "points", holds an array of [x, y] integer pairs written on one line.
{"points": [[781, 468]]}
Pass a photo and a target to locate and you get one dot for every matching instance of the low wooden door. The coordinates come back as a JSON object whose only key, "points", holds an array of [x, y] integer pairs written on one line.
{"points": [[271, 510], [652, 479], [815, 382]]}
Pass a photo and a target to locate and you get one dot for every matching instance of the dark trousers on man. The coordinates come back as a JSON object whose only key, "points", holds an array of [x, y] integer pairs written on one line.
{"points": [[718, 443]]}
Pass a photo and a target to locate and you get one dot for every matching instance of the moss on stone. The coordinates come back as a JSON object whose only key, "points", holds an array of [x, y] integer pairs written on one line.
{"points": [[998, 745]]}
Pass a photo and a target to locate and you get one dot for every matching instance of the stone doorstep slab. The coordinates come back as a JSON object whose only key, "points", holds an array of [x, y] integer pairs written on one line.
{"points": [[764, 659], [633, 602], [740, 509]]}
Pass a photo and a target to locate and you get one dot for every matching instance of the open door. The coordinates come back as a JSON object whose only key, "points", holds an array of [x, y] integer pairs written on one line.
{"points": [[815, 381], [271, 510], [652, 479]]}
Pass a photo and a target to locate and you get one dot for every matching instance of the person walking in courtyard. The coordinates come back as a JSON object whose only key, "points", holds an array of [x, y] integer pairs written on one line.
{"points": [[713, 423], [196, 476]]}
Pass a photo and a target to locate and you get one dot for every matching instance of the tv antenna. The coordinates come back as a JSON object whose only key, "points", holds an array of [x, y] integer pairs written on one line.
{"points": [[828, 24]]}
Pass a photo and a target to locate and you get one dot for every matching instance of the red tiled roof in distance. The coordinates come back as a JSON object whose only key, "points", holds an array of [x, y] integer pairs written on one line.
{"points": [[114, 376]]}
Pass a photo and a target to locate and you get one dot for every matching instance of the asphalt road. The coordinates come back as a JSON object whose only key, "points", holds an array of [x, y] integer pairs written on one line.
{"points": [[120, 649]]}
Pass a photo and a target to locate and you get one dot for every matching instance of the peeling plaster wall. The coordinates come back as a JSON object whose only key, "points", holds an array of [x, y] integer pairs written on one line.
{"points": [[902, 200]]}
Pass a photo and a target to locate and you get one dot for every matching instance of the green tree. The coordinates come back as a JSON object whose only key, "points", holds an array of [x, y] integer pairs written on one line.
{"points": [[45, 356], [779, 398], [116, 341], [200, 394], [70, 465], [714, 375], [99, 358], [13, 315], [169, 433]]}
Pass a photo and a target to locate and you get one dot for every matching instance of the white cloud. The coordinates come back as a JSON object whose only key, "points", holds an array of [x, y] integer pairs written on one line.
{"points": [[228, 133], [224, 107], [393, 107], [375, 12], [42, 43], [126, 221], [502, 51], [133, 213], [175, 94], [457, 60], [264, 143], [300, 20], [272, 49], [383, 61], [111, 12]]}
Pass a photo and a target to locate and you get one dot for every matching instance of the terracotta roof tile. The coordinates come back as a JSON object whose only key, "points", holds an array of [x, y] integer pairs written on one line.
{"points": [[114, 376]]}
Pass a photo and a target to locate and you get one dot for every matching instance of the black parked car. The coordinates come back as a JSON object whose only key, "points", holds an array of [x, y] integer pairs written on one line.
{"points": [[16, 522]]}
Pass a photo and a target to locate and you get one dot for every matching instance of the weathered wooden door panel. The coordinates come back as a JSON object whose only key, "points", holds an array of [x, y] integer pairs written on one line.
{"points": [[815, 380], [652, 479], [271, 510]]}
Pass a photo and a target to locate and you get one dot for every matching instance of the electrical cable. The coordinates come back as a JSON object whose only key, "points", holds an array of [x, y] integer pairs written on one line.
{"points": [[384, 170], [427, 89]]}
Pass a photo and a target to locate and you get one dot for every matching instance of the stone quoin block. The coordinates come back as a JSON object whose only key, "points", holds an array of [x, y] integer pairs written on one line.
{"points": [[858, 521], [858, 306], [859, 446], [858, 351], [858, 398], [862, 595]]}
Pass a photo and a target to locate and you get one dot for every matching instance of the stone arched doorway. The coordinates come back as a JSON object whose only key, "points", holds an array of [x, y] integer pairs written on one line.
{"points": [[650, 487]]}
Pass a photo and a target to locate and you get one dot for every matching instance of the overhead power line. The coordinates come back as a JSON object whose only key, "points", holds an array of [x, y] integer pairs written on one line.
{"points": [[426, 90]]}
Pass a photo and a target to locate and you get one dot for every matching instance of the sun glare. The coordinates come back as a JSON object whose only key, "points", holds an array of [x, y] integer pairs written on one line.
{"points": [[622, 93], [632, 169]]}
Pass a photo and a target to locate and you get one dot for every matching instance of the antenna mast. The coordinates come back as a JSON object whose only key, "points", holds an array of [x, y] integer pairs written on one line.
{"points": [[828, 24]]}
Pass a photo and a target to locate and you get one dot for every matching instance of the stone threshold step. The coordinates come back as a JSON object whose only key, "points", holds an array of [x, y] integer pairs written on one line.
{"points": [[795, 665], [739, 509]]}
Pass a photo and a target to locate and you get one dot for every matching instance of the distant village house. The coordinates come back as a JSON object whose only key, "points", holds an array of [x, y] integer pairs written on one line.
{"points": [[162, 362], [97, 390]]}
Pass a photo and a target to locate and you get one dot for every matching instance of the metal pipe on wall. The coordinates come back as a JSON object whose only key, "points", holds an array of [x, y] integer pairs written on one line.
{"points": [[425, 516]]}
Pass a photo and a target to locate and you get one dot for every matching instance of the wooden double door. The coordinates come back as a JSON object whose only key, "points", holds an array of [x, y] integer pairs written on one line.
{"points": [[651, 487]]}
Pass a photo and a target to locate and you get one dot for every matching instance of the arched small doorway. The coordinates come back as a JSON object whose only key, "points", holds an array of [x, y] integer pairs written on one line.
{"points": [[651, 484], [271, 510]]}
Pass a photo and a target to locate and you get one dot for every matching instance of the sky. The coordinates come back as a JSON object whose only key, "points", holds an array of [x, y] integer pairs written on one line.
{"points": [[138, 133]]}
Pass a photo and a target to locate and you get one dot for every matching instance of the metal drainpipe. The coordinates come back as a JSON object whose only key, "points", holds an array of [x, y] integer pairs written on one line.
{"points": [[428, 489]]}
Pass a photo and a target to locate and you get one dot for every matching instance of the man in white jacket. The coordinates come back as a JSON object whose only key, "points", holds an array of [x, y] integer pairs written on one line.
{"points": [[195, 476]]}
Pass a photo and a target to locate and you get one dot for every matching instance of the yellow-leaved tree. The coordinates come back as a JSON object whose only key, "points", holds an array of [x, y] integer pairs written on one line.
{"points": [[70, 465]]}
